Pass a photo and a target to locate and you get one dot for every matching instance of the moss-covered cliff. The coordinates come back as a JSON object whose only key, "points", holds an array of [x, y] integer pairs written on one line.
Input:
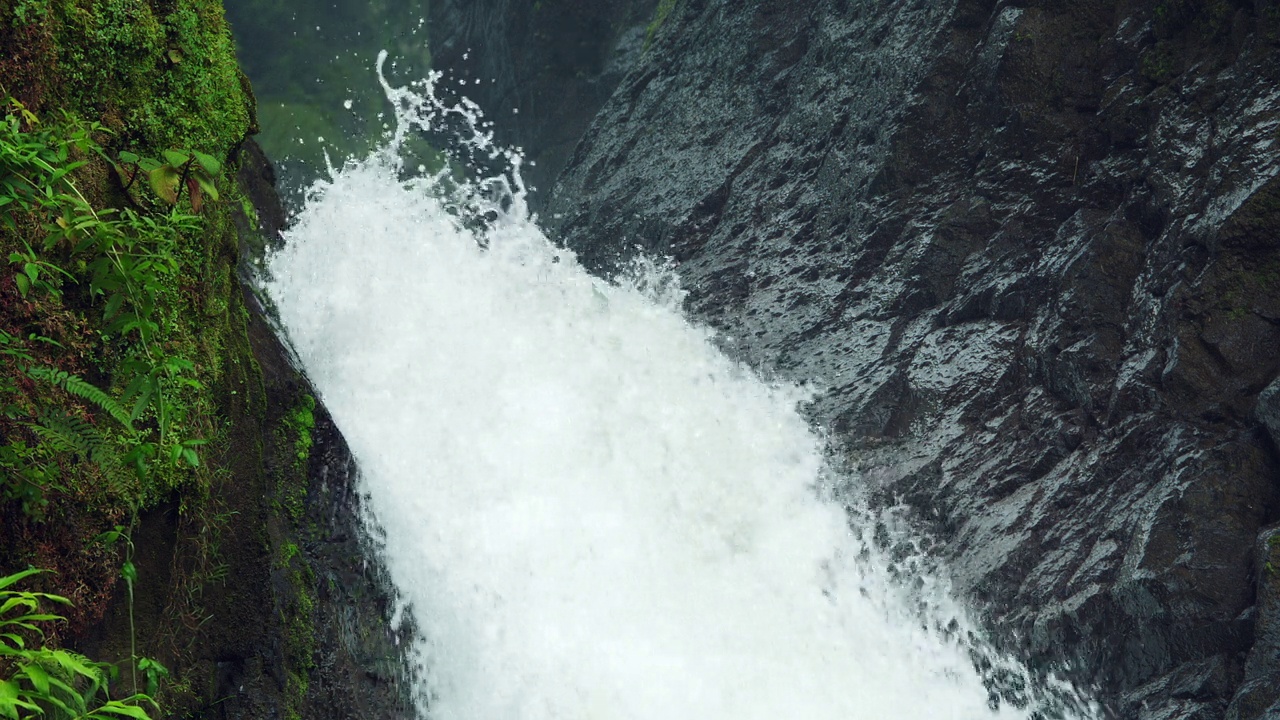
{"points": [[141, 389]]}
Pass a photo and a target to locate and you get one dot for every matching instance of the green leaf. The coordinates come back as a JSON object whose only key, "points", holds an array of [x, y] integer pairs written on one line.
{"points": [[129, 572], [176, 158], [24, 284], [25, 600], [110, 537], [83, 389], [51, 699], [77, 698], [164, 181], [128, 157], [113, 306], [208, 162], [75, 665], [38, 677], [117, 708], [40, 617], [144, 400], [8, 580], [207, 185], [9, 702]]}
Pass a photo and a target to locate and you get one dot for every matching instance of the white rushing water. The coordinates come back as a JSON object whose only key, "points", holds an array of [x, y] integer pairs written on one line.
{"points": [[590, 511]]}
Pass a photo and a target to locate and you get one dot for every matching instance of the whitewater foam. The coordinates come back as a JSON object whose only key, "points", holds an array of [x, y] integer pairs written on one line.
{"points": [[590, 511]]}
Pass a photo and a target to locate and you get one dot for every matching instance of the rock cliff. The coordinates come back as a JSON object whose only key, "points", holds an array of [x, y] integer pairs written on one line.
{"points": [[1028, 251]]}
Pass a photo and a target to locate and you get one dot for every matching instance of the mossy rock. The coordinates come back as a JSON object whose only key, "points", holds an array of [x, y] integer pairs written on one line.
{"points": [[211, 600], [162, 74]]}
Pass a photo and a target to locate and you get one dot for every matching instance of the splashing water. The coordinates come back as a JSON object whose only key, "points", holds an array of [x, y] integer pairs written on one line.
{"points": [[590, 511]]}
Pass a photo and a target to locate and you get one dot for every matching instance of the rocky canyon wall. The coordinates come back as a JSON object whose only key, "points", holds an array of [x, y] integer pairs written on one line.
{"points": [[1028, 251]]}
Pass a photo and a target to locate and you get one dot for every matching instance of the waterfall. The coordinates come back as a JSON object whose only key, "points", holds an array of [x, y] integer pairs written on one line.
{"points": [[589, 510]]}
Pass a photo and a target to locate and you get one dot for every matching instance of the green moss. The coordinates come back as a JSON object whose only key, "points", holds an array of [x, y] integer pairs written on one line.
{"points": [[146, 389], [1159, 65], [660, 15], [301, 421], [295, 433], [296, 618], [169, 80], [157, 74]]}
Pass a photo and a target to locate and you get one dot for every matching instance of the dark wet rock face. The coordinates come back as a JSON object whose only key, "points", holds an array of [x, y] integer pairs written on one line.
{"points": [[305, 630], [1030, 250], [1259, 696], [540, 69]]}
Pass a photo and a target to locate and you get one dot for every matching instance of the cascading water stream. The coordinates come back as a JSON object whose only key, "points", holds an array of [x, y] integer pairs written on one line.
{"points": [[590, 511]]}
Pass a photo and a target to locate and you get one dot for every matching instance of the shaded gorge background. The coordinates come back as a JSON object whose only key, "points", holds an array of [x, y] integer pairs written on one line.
{"points": [[540, 70], [311, 65]]}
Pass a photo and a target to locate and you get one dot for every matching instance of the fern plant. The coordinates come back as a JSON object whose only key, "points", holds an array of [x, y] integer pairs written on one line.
{"points": [[51, 683], [84, 390]]}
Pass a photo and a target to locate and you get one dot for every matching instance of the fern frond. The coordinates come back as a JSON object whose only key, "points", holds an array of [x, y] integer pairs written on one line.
{"points": [[83, 389], [62, 433], [72, 434]]}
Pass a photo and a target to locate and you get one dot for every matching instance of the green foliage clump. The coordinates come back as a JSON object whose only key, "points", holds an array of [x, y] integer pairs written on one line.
{"points": [[1160, 64], [53, 683], [125, 263], [295, 431], [301, 421], [163, 73]]}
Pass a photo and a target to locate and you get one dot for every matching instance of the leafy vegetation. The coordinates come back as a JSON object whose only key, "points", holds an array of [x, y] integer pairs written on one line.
{"points": [[130, 396], [298, 623], [166, 75], [123, 262], [117, 263], [193, 171], [55, 683]]}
